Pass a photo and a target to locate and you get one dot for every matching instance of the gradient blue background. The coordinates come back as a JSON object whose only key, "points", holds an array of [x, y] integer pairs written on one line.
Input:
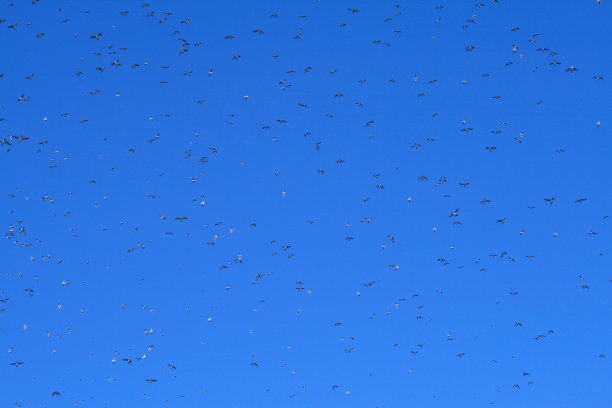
{"points": [[174, 284]]}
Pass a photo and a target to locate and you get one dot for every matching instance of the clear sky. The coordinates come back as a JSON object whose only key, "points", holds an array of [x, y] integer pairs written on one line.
{"points": [[305, 203]]}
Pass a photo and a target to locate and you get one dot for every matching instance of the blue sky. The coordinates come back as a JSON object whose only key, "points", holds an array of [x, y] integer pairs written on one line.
{"points": [[321, 261]]}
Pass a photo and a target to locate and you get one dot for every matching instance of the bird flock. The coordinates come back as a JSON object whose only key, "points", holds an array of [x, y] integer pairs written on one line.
{"points": [[309, 203]]}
